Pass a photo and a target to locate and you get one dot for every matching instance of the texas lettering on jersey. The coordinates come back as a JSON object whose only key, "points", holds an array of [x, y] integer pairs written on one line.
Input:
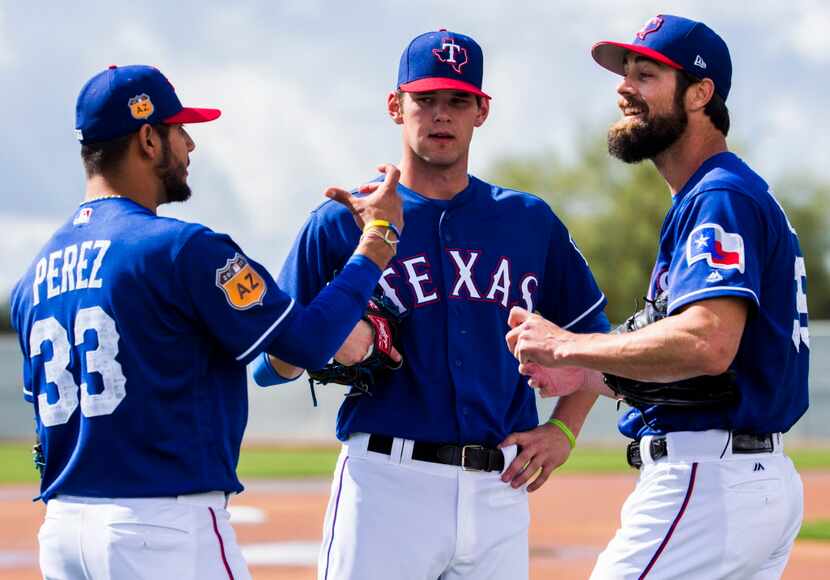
{"points": [[415, 272]]}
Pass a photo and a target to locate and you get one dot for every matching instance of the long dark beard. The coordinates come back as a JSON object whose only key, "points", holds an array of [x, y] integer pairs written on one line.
{"points": [[634, 142], [175, 188]]}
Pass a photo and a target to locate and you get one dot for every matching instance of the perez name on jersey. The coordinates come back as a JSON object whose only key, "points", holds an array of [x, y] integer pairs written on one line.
{"points": [[74, 267]]}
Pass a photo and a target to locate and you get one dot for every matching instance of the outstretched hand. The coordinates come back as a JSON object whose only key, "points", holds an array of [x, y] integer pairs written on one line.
{"points": [[380, 200]]}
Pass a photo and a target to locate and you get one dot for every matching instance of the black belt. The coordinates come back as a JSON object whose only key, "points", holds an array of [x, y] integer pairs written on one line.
{"points": [[741, 443], [470, 457]]}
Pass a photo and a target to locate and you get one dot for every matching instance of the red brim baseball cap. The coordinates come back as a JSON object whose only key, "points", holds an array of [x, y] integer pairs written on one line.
{"points": [[441, 84], [193, 115], [611, 55], [676, 42]]}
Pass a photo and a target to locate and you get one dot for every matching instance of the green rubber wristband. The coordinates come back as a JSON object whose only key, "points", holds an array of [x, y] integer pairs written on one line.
{"points": [[564, 428]]}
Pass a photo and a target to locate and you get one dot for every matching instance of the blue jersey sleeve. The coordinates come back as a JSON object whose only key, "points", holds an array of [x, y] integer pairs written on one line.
{"points": [[314, 332], [719, 249], [234, 297], [597, 322], [570, 295]]}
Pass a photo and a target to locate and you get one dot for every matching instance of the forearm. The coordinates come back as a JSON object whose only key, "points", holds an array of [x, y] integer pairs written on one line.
{"points": [[665, 351], [573, 409], [268, 370], [316, 331]]}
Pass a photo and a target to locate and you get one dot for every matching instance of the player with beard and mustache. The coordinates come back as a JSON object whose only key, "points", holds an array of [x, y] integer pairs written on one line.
{"points": [[135, 330], [716, 497]]}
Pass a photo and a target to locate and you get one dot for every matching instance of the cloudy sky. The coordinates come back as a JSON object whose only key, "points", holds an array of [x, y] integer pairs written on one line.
{"points": [[302, 85]]}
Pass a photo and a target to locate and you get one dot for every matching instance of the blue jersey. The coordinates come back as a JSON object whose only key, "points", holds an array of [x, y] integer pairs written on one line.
{"points": [[135, 331], [727, 235], [460, 266]]}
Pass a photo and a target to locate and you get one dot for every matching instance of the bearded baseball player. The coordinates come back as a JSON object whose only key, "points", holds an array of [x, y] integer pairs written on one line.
{"points": [[135, 331], [715, 367], [431, 479]]}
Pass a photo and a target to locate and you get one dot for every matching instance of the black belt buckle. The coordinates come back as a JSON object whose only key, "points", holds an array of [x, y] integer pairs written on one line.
{"points": [[632, 455], [464, 465]]}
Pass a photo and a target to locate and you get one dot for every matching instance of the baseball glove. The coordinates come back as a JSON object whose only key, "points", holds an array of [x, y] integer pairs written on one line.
{"points": [[699, 391], [385, 319]]}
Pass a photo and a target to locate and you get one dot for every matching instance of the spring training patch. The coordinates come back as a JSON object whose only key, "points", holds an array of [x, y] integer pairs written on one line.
{"points": [[244, 288]]}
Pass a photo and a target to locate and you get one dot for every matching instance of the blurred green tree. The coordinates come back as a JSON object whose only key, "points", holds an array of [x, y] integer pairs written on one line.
{"points": [[614, 212]]}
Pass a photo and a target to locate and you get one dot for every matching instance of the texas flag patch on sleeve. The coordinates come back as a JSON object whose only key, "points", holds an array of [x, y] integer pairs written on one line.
{"points": [[719, 248]]}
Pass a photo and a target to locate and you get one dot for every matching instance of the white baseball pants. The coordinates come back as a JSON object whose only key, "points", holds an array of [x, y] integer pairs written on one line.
{"points": [[704, 512], [178, 538], [390, 516]]}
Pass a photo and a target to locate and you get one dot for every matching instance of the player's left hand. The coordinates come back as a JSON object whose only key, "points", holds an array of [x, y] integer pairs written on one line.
{"points": [[535, 339], [359, 345], [543, 449]]}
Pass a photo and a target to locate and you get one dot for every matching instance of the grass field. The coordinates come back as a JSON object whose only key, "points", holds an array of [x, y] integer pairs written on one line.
{"points": [[815, 530], [271, 462]]}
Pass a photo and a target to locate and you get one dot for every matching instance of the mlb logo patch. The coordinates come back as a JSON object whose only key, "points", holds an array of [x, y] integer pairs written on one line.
{"points": [[244, 288], [83, 217], [720, 249]]}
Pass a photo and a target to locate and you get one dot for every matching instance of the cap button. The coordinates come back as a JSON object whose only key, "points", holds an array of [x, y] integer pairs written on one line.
{"points": [[442, 30], [112, 66]]}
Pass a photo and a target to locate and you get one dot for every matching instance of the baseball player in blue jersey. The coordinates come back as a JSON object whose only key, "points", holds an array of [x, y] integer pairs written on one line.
{"points": [[717, 497], [135, 331], [431, 479]]}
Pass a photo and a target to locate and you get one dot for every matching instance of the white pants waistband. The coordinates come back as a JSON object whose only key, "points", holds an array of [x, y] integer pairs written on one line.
{"points": [[215, 499], [715, 444]]}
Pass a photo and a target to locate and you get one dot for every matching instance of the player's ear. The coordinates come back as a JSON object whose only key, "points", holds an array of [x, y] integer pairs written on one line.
{"points": [[483, 111], [148, 142], [699, 94], [394, 106]]}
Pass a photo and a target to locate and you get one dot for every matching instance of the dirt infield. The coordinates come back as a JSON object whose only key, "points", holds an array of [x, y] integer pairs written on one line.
{"points": [[573, 518]]}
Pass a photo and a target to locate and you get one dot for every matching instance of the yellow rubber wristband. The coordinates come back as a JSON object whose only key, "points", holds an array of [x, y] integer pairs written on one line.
{"points": [[377, 224], [566, 430]]}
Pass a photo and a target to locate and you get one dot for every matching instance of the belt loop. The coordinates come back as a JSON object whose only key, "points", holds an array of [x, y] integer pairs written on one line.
{"points": [[401, 451], [357, 445], [645, 449]]}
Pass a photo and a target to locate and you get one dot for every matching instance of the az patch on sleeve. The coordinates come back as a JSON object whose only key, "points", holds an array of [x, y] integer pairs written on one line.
{"points": [[719, 248], [244, 288]]}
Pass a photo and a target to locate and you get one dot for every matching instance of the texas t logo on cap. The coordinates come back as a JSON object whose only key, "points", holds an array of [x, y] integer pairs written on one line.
{"points": [[452, 54], [652, 25]]}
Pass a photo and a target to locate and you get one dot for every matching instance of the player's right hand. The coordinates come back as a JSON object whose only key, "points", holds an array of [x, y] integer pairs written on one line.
{"points": [[380, 200]]}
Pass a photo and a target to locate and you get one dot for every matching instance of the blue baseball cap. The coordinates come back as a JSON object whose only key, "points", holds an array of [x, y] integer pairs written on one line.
{"points": [[442, 60], [677, 42], [119, 100]]}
